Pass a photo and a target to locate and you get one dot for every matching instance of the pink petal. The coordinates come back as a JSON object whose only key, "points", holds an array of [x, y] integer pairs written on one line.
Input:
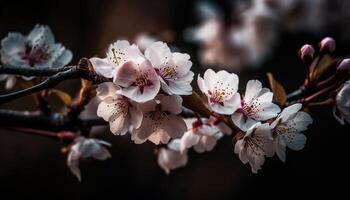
{"points": [[103, 67]]}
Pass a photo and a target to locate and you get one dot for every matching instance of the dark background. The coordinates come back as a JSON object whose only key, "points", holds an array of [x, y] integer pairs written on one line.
{"points": [[32, 166]]}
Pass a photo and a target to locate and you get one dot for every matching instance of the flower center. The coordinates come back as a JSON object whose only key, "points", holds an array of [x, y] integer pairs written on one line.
{"points": [[168, 72], [256, 144], [116, 58], [121, 107], [142, 81], [282, 129], [250, 110], [35, 54], [217, 96]]}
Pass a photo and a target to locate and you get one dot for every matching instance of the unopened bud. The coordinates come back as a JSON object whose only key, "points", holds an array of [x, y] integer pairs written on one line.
{"points": [[327, 45], [306, 53], [344, 65]]}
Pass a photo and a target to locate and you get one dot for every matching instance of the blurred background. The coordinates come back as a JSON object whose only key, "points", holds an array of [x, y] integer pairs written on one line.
{"points": [[248, 37]]}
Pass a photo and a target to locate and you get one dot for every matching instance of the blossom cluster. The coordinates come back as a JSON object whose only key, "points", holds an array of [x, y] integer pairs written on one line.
{"points": [[144, 99]]}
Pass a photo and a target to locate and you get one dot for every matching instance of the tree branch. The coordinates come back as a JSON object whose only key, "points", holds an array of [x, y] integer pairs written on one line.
{"points": [[29, 71], [52, 122], [74, 72]]}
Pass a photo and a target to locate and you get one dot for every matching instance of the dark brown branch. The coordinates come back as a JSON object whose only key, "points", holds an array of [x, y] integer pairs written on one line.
{"points": [[79, 71], [28, 71], [52, 122]]}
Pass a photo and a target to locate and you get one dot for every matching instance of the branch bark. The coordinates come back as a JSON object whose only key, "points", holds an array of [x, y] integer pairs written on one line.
{"points": [[74, 72], [52, 122]]}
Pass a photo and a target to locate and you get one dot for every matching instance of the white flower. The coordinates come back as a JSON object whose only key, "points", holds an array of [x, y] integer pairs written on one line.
{"points": [[170, 158], [160, 120], [118, 53], [221, 91], [287, 130], [255, 145], [119, 111], [342, 109], [256, 105], [38, 49], [173, 68], [86, 148], [203, 135]]}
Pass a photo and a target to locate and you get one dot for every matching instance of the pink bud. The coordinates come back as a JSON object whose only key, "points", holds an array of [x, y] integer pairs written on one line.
{"points": [[327, 45], [344, 65], [306, 53]]}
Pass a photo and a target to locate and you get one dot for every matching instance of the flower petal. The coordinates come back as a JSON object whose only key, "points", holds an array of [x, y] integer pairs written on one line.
{"points": [[103, 67], [252, 90]]}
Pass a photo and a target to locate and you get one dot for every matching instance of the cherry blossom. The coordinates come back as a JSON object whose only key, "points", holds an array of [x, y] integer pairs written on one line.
{"points": [[287, 130], [37, 49], [119, 111], [160, 120], [256, 143], [173, 68], [118, 53], [221, 91], [342, 109], [86, 148], [137, 79], [256, 105], [202, 135], [171, 158]]}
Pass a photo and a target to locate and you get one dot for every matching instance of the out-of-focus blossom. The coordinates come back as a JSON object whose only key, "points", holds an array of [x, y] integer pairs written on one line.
{"points": [[202, 135], [170, 158], [221, 91], [37, 49], [256, 143], [143, 41], [256, 105], [287, 130], [341, 110], [119, 111], [160, 120], [255, 27], [86, 148], [173, 68]]}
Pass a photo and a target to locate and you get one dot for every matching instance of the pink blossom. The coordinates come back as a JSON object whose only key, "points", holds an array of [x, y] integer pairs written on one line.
{"points": [[221, 91], [255, 145], [173, 68], [119, 111], [160, 121], [255, 105]]}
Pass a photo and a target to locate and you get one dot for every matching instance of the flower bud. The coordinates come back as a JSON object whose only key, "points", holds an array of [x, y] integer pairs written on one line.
{"points": [[344, 65], [327, 45], [306, 53]]}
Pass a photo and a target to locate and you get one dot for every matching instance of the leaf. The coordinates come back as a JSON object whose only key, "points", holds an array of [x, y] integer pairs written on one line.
{"points": [[195, 103], [325, 64], [278, 90], [65, 97]]}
